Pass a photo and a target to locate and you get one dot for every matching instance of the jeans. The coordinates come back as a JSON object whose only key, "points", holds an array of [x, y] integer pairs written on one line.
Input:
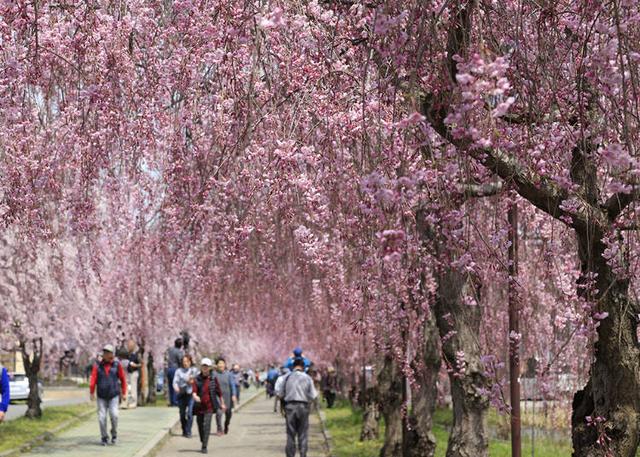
{"points": [[227, 418], [297, 426], [111, 406], [173, 400], [204, 428], [185, 402]]}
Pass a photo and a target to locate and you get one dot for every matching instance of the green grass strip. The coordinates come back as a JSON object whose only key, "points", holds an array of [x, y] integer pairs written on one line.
{"points": [[21, 431]]}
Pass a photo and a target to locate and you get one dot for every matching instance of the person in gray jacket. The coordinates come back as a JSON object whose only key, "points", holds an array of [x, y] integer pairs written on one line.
{"points": [[174, 361], [298, 392], [227, 382]]}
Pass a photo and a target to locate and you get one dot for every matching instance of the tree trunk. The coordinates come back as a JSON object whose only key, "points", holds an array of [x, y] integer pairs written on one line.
{"points": [[151, 380], [390, 381], [32, 368], [459, 326], [420, 441], [141, 377], [370, 415], [612, 393]]}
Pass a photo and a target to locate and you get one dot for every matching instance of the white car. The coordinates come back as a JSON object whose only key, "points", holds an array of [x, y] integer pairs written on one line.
{"points": [[19, 387]]}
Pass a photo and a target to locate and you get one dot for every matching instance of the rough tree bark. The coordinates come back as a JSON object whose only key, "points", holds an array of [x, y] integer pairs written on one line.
{"points": [[370, 415], [32, 369], [459, 326], [368, 401], [390, 382], [613, 389], [419, 439], [141, 375], [151, 379]]}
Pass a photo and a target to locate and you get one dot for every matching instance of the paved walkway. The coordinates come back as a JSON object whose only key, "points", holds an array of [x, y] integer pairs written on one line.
{"points": [[136, 428], [256, 431]]}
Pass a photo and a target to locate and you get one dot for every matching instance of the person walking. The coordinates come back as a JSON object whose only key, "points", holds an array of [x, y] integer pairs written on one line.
{"points": [[284, 371], [183, 387], [5, 395], [238, 377], [330, 386], [298, 391], [104, 379], [133, 374], [208, 398], [226, 380], [174, 360], [271, 378]]}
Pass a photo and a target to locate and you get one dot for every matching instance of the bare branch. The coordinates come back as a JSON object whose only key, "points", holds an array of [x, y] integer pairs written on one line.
{"points": [[482, 190]]}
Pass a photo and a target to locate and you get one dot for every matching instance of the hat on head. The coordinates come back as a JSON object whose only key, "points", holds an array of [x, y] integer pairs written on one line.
{"points": [[297, 351], [206, 361], [108, 348]]}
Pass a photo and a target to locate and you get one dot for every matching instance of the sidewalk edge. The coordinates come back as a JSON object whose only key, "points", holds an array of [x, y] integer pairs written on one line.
{"points": [[158, 440], [325, 431]]}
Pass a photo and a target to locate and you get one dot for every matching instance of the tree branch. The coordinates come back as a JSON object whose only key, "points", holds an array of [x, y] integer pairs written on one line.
{"points": [[481, 190], [617, 203], [539, 190]]}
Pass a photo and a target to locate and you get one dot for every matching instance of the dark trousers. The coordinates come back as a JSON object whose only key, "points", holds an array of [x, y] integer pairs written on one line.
{"points": [[297, 427], [204, 428], [185, 402], [227, 418], [173, 400], [330, 396]]}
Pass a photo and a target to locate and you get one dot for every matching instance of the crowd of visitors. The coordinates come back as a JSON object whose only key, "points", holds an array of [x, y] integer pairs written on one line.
{"points": [[207, 391]]}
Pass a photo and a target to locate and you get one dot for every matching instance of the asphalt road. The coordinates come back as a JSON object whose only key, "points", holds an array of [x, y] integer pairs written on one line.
{"points": [[51, 398]]}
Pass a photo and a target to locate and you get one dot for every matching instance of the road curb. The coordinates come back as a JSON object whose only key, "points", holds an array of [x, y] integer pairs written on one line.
{"points": [[250, 400], [160, 439], [325, 431], [40, 439]]}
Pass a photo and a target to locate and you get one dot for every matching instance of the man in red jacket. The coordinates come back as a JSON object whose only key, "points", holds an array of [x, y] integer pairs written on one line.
{"points": [[105, 377]]}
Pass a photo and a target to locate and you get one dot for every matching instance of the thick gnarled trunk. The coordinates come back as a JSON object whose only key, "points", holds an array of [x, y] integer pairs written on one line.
{"points": [[419, 440], [32, 369], [459, 326], [390, 385], [613, 390]]}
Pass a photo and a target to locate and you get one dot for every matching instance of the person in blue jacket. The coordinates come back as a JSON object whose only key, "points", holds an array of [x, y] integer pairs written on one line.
{"points": [[272, 375], [4, 392], [297, 354]]}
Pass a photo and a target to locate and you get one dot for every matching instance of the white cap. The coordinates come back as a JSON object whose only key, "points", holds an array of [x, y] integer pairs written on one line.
{"points": [[206, 362], [108, 348]]}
